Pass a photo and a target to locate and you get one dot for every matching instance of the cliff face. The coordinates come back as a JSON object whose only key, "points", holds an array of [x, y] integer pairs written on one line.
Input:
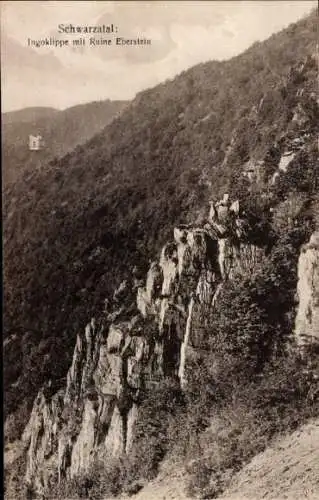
{"points": [[307, 319], [133, 348]]}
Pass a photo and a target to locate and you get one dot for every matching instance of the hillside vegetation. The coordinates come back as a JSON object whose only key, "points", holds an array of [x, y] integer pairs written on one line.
{"points": [[289, 469], [61, 130], [76, 227]]}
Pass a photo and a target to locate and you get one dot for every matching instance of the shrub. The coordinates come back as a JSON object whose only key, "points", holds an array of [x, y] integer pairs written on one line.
{"points": [[278, 401], [152, 439]]}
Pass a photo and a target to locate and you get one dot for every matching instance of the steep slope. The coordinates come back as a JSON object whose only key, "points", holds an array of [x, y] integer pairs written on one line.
{"points": [[61, 130], [288, 469], [75, 229]]}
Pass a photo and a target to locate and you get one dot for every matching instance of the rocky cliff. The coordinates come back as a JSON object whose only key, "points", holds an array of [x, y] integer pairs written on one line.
{"points": [[307, 320], [129, 350], [152, 329]]}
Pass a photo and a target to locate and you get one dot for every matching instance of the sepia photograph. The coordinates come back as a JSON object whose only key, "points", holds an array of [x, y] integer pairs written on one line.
{"points": [[160, 211]]}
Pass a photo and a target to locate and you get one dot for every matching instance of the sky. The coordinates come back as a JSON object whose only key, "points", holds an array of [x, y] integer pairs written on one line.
{"points": [[182, 34]]}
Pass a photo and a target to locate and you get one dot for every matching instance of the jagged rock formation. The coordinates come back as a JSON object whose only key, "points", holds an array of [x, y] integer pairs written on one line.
{"points": [[115, 361], [307, 319]]}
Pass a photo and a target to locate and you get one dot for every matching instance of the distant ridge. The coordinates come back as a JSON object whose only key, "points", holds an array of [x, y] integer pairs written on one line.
{"points": [[62, 131], [30, 114]]}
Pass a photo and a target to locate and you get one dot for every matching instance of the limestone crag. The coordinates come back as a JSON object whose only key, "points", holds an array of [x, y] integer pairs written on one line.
{"points": [[41, 438], [307, 319], [153, 335]]}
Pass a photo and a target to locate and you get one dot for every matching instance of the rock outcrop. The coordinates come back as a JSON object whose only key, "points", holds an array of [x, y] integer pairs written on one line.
{"points": [[307, 319], [123, 355]]}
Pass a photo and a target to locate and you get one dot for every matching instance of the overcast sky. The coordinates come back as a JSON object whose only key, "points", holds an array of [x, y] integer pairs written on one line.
{"points": [[182, 34]]}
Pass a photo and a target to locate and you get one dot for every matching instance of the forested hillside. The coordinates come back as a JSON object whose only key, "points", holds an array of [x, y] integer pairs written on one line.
{"points": [[76, 227], [62, 131]]}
